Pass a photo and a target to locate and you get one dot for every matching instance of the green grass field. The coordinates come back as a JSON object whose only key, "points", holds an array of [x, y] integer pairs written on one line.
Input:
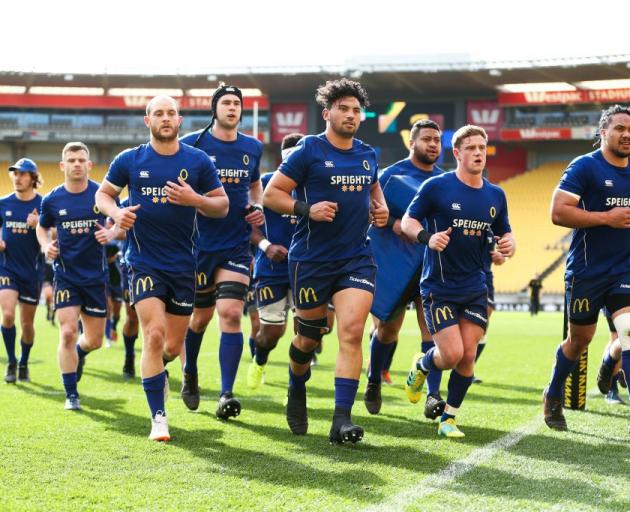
{"points": [[100, 458]]}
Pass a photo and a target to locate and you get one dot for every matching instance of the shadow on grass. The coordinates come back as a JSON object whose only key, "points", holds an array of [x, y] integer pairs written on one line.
{"points": [[492, 482]]}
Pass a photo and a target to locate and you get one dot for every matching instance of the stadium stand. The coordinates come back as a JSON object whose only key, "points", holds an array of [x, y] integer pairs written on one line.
{"points": [[540, 244]]}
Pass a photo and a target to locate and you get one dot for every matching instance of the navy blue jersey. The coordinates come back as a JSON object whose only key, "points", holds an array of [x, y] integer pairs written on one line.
{"points": [[81, 259], [163, 236], [278, 229], [22, 255], [445, 201], [407, 168], [238, 166], [325, 173], [600, 187]]}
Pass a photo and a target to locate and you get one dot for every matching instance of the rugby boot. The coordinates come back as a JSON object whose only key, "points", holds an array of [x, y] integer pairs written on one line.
{"points": [[11, 374], [372, 397], [415, 380], [228, 406], [23, 373], [343, 430], [434, 406], [297, 417], [191, 393], [604, 378], [553, 413]]}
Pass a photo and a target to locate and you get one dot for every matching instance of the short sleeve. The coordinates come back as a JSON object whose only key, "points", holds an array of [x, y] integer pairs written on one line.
{"points": [[46, 218], [575, 179], [501, 224], [420, 205], [294, 165], [118, 173]]}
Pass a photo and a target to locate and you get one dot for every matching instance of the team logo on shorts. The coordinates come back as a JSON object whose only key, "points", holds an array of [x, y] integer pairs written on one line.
{"points": [[183, 174], [202, 279], [245, 159], [493, 211], [366, 165], [96, 210], [5, 281], [265, 293], [144, 283]]}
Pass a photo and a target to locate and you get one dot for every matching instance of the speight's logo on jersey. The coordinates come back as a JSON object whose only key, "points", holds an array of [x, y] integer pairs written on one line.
{"points": [[471, 227], [78, 227], [158, 194], [232, 175], [617, 201], [351, 183], [17, 227]]}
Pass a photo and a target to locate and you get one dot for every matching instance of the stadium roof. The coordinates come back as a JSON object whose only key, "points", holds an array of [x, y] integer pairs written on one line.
{"points": [[383, 80]]}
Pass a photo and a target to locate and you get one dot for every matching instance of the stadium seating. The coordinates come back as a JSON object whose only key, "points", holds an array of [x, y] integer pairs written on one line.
{"points": [[539, 242], [51, 174]]}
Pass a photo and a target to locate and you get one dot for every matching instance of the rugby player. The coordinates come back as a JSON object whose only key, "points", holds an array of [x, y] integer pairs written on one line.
{"points": [[593, 198], [80, 267], [609, 374], [461, 209], [271, 274], [334, 177], [168, 184], [21, 264], [425, 145], [224, 256]]}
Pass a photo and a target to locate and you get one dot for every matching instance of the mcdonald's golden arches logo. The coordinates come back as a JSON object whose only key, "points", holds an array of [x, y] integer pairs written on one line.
{"points": [[581, 304], [307, 295], [266, 293], [442, 314], [146, 283], [183, 174], [62, 296], [202, 279], [5, 280]]}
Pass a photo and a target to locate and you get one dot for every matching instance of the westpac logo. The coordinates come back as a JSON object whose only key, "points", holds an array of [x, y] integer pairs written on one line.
{"points": [[307, 295], [266, 293], [485, 116], [144, 174], [456, 206], [286, 120], [62, 296], [580, 305], [442, 314], [144, 284]]}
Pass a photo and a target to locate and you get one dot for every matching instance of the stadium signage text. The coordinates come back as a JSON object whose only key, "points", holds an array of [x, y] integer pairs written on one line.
{"points": [[564, 97]]}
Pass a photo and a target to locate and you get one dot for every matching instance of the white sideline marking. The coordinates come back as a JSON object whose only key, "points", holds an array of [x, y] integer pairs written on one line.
{"points": [[454, 470]]}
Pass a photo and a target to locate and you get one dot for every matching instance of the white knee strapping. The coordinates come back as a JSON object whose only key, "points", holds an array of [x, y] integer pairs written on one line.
{"points": [[622, 325]]}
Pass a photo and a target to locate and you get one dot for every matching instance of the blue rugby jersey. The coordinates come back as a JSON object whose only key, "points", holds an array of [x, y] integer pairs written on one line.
{"points": [[445, 201], [22, 255], [163, 236], [407, 168], [278, 229], [325, 173], [238, 166], [600, 187], [81, 259]]}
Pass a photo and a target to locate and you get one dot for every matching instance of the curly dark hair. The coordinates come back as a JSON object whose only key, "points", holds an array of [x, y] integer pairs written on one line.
{"points": [[333, 90], [607, 115]]}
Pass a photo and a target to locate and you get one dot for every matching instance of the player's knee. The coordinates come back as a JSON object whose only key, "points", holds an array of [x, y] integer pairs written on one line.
{"points": [[28, 331], [200, 319], [622, 325], [312, 329], [351, 333], [452, 355], [386, 332], [268, 338], [8, 318], [154, 337], [301, 355], [231, 316], [68, 335]]}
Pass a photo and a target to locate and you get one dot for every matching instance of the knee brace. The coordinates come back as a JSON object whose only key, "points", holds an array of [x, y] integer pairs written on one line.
{"points": [[231, 290], [622, 325], [205, 299], [313, 329], [299, 356]]}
